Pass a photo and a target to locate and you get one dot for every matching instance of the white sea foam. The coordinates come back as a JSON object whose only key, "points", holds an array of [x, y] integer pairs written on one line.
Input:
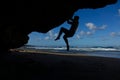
{"points": [[77, 49], [104, 49], [92, 51]]}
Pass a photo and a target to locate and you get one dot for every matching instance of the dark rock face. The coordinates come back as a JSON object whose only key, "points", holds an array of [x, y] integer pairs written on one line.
{"points": [[18, 20]]}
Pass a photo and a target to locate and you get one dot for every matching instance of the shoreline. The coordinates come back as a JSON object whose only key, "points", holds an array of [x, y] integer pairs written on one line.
{"points": [[45, 65], [106, 54]]}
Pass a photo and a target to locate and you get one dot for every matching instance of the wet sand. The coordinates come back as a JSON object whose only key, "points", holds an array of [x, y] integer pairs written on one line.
{"points": [[43, 65]]}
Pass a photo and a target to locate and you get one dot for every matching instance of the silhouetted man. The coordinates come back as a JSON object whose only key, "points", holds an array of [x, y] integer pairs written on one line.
{"points": [[69, 33]]}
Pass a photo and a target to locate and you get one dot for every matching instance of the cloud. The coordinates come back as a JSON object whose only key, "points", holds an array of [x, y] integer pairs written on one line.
{"points": [[82, 33], [90, 26], [47, 38], [78, 36], [114, 34], [51, 35], [93, 27], [103, 27], [55, 35], [89, 33]]}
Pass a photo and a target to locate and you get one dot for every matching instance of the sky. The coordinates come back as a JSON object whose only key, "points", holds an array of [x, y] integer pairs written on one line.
{"points": [[97, 27]]}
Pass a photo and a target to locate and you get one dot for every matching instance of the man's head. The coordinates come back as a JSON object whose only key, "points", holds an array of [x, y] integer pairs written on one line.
{"points": [[76, 17]]}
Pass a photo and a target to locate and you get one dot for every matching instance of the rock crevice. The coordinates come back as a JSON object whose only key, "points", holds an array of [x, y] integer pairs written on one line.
{"points": [[20, 19]]}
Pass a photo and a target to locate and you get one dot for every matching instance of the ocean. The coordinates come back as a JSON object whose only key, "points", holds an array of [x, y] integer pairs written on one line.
{"points": [[91, 51]]}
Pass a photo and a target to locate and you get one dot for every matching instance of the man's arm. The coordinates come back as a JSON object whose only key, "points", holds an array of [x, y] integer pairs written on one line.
{"points": [[70, 21]]}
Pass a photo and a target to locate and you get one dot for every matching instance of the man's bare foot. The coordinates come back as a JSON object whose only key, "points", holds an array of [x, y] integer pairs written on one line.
{"points": [[57, 39]]}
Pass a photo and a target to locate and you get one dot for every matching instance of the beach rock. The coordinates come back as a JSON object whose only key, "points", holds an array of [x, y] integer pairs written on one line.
{"points": [[20, 19]]}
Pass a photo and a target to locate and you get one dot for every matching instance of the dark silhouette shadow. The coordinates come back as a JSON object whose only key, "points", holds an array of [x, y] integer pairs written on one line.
{"points": [[69, 33], [41, 66]]}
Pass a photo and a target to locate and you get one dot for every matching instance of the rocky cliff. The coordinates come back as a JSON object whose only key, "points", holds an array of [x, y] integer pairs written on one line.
{"points": [[20, 19]]}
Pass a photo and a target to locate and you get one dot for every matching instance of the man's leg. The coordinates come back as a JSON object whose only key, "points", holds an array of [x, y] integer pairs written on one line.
{"points": [[66, 41], [61, 31]]}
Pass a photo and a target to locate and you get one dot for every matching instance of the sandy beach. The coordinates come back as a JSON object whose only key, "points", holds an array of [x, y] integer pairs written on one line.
{"points": [[44, 65]]}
